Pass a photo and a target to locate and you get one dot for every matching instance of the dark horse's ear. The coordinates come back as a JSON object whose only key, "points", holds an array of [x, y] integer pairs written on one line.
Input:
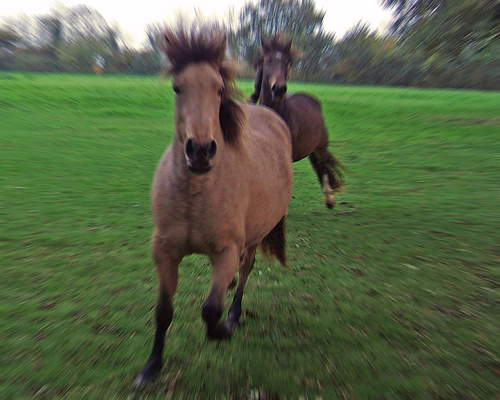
{"points": [[288, 46], [264, 44]]}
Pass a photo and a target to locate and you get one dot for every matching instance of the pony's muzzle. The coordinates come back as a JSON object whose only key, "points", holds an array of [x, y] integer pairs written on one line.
{"points": [[199, 156]]}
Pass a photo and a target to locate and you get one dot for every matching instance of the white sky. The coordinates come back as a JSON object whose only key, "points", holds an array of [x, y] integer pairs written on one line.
{"points": [[132, 17]]}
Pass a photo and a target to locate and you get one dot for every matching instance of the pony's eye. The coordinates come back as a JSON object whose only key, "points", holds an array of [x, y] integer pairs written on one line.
{"points": [[220, 92], [176, 89]]}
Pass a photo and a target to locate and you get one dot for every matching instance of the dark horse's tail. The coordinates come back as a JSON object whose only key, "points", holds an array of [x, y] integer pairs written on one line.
{"points": [[274, 243], [325, 163]]}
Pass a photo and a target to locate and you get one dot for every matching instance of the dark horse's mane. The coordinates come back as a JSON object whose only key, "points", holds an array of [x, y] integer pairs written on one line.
{"points": [[207, 43], [275, 44]]}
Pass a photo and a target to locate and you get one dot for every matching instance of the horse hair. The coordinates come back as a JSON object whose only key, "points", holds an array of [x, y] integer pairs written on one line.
{"points": [[206, 43], [276, 43], [274, 243]]}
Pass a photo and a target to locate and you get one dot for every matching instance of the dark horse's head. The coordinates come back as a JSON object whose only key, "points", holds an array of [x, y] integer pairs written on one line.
{"points": [[206, 117], [275, 61]]}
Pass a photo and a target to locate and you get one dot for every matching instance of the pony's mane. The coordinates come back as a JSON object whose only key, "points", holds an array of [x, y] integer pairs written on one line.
{"points": [[207, 43], [277, 43]]}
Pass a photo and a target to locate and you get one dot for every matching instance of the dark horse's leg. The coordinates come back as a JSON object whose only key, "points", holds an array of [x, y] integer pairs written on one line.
{"points": [[245, 268], [257, 85], [166, 267], [328, 170], [224, 267]]}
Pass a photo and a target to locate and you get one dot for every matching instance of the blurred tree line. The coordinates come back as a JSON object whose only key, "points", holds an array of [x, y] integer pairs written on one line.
{"points": [[76, 39], [430, 43]]}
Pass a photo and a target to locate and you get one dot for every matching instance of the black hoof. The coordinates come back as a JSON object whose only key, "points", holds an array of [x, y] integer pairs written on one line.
{"points": [[149, 372], [329, 206], [221, 332]]}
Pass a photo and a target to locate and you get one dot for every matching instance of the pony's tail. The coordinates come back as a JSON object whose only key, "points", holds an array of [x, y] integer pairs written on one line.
{"points": [[335, 175], [274, 243]]}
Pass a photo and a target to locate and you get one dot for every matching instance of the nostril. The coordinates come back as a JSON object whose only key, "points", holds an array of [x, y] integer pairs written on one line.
{"points": [[190, 148], [280, 91], [212, 149], [273, 88]]}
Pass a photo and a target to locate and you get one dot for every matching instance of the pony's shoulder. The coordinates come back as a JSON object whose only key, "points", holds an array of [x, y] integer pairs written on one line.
{"points": [[254, 112], [265, 119]]}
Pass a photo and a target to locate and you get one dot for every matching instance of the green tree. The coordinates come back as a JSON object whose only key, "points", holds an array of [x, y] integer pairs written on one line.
{"points": [[65, 39], [446, 27], [8, 39], [355, 54], [363, 56], [458, 40]]}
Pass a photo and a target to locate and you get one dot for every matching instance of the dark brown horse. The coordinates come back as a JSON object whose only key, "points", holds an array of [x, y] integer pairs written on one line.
{"points": [[301, 112], [222, 187]]}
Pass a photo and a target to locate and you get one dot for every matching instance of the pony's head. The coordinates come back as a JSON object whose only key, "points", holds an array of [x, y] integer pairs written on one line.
{"points": [[276, 60], [203, 82]]}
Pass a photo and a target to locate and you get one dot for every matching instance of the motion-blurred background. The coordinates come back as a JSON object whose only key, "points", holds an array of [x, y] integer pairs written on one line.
{"points": [[439, 43]]}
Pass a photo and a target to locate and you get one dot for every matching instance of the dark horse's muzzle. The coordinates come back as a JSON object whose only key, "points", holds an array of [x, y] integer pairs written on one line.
{"points": [[278, 90], [199, 156]]}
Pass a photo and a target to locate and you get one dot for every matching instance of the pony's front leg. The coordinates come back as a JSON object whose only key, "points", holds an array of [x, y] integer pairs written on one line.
{"points": [[224, 267], [246, 266], [166, 267]]}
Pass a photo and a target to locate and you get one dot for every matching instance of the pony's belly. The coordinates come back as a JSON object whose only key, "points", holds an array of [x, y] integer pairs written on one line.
{"points": [[247, 226]]}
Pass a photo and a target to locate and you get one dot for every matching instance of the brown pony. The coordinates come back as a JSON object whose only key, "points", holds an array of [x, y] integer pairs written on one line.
{"points": [[301, 112], [222, 187]]}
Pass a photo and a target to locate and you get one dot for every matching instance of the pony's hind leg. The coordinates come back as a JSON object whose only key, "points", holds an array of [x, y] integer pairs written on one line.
{"points": [[224, 267], [245, 268], [328, 192], [166, 267]]}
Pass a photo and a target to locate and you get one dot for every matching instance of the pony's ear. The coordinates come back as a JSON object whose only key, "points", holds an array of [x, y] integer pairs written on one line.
{"points": [[170, 39], [168, 35], [222, 48]]}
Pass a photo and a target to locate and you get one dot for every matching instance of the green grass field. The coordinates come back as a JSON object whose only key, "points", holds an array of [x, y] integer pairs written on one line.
{"points": [[392, 294]]}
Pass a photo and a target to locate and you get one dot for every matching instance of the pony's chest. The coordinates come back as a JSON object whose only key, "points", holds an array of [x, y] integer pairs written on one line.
{"points": [[213, 216], [199, 222]]}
